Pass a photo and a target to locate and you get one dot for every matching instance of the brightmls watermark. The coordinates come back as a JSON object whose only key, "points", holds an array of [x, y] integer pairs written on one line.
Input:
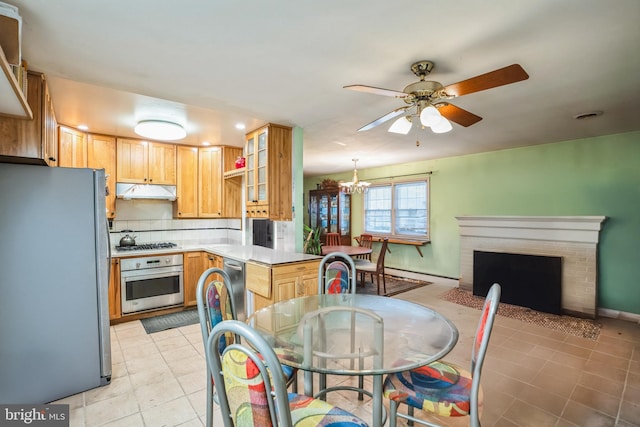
{"points": [[34, 415]]}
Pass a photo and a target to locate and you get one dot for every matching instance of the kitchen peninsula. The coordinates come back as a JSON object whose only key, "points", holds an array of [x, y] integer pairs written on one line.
{"points": [[269, 275]]}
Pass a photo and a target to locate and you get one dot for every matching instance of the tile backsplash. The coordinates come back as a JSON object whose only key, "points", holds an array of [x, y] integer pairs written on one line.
{"points": [[152, 221]]}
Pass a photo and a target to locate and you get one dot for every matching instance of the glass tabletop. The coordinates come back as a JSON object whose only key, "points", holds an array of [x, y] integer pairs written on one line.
{"points": [[354, 333]]}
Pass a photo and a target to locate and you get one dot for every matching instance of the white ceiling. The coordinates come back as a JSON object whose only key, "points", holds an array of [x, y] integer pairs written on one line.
{"points": [[209, 64]]}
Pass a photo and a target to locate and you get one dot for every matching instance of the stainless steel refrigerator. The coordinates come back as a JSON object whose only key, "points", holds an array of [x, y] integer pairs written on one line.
{"points": [[54, 277]]}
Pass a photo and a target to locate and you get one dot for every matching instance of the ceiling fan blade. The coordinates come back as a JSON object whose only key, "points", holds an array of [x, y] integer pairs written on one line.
{"points": [[386, 117], [457, 114], [503, 76], [376, 90]]}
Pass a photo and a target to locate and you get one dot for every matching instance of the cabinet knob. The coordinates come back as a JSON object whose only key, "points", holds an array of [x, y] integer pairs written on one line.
{"points": [[145, 180], [52, 159]]}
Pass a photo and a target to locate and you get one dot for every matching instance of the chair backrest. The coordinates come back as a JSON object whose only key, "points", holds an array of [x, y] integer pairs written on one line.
{"points": [[366, 240], [336, 274], [383, 252], [214, 303], [480, 344], [342, 333], [332, 239], [249, 378]]}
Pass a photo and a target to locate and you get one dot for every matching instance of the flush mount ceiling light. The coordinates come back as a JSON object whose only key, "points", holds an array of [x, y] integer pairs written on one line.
{"points": [[160, 130], [355, 185]]}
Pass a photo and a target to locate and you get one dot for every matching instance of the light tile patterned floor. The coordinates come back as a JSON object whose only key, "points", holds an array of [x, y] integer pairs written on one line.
{"points": [[532, 376]]}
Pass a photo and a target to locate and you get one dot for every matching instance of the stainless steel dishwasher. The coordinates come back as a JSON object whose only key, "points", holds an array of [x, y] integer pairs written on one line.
{"points": [[235, 270]]}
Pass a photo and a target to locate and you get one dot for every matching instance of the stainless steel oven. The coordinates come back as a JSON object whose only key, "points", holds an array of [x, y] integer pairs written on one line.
{"points": [[151, 282]]}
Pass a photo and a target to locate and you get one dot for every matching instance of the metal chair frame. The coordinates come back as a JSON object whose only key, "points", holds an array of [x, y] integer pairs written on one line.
{"points": [[478, 352]]}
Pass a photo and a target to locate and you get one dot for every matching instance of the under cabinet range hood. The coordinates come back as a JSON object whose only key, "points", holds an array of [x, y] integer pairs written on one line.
{"points": [[127, 191]]}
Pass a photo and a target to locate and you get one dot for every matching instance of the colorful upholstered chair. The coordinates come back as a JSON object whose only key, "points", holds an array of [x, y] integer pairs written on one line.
{"points": [[214, 306], [336, 274], [443, 388], [252, 390]]}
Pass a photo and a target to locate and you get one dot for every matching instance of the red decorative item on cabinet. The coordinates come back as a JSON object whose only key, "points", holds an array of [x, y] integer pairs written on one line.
{"points": [[240, 162]]}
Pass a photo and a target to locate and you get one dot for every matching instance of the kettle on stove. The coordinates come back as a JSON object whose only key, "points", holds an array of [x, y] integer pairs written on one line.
{"points": [[127, 240]]}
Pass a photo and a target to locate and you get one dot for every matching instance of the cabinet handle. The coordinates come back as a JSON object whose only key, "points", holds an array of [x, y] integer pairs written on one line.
{"points": [[145, 180], [150, 179], [52, 159]]}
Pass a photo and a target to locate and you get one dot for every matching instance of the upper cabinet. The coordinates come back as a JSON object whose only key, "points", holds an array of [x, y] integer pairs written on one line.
{"points": [[210, 182], [72, 148], [201, 190], [268, 173], [144, 162], [186, 204], [13, 103], [101, 154], [32, 141]]}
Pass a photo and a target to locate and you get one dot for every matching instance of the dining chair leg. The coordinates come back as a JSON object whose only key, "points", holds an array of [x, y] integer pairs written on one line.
{"points": [[393, 411], [410, 413], [209, 401], [361, 387]]}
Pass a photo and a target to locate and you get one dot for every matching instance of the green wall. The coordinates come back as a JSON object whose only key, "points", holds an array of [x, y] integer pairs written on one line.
{"points": [[594, 176]]}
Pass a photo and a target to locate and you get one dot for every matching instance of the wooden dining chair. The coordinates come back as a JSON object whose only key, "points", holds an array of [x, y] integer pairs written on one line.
{"points": [[251, 385], [365, 241], [375, 268], [443, 388], [215, 305], [332, 239]]}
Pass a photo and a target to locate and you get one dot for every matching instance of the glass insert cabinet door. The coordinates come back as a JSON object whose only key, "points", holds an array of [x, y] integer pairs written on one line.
{"points": [[256, 164]]}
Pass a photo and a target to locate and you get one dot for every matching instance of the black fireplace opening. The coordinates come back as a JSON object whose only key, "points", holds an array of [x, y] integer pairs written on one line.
{"points": [[532, 281]]}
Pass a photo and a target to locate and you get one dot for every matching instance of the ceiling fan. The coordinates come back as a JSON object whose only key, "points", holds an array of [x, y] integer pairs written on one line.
{"points": [[427, 100]]}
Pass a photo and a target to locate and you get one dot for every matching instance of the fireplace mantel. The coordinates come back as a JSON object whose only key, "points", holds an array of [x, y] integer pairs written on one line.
{"points": [[574, 238], [580, 229]]}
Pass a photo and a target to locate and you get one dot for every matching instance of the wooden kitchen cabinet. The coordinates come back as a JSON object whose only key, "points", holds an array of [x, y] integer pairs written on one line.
{"points": [[186, 204], [101, 154], [115, 302], [32, 141], [231, 187], [271, 284], [268, 176], [210, 182], [72, 148], [144, 162], [194, 266]]}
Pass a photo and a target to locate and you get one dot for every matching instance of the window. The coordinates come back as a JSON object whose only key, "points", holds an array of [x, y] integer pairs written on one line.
{"points": [[398, 209]]}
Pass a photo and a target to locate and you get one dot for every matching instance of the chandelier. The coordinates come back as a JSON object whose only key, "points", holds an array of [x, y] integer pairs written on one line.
{"points": [[355, 185]]}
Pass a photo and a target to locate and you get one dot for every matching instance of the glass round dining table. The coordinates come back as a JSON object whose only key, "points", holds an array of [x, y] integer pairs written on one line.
{"points": [[354, 334]]}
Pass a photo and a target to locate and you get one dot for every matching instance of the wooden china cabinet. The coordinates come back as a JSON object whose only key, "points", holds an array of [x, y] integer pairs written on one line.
{"points": [[331, 210]]}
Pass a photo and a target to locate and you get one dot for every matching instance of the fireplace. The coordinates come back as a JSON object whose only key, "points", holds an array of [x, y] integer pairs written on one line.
{"points": [[573, 238], [532, 281]]}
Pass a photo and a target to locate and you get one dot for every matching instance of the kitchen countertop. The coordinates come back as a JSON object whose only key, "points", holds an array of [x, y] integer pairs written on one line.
{"points": [[243, 253]]}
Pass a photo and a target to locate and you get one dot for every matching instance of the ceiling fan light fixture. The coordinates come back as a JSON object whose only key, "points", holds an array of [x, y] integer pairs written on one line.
{"points": [[430, 116], [160, 130], [401, 126], [443, 126]]}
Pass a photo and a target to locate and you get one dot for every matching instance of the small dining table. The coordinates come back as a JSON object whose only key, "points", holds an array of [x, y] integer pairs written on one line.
{"points": [[412, 335], [349, 250]]}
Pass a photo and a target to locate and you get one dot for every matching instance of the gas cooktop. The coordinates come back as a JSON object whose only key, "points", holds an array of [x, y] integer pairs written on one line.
{"points": [[147, 246]]}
